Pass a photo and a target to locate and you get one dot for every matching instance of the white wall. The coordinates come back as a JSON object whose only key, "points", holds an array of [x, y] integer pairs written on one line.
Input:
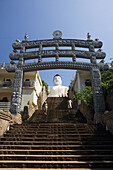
{"points": [[32, 93], [38, 84], [80, 79], [29, 93], [35, 97]]}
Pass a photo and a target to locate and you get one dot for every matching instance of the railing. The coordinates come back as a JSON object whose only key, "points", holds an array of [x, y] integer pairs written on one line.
{"points": [[5, 106], [3, 65], [29, 83], [9, 84], [5, 84]]}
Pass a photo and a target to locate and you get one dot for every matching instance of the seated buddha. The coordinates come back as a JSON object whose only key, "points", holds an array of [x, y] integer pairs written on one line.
{"points": [[58, 90]]}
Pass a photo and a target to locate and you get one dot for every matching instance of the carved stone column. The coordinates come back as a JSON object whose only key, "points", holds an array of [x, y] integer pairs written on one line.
{"points": [[99, 103], [16, 98]]}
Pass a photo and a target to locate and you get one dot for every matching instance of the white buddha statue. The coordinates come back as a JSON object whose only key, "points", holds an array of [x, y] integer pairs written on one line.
{"points": [[58, 90]]}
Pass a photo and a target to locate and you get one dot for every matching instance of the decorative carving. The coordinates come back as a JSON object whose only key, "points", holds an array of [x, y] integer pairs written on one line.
{"points": [[99, 103], [61, 42], [11, 67], [22, 50], [73, 46], [18, 41], [58, 64], [17, 92], [50, 65], [57, 34], [93, 59], [91, 48], [74, 58], [88, 36], [40, 47], [57, 46], [39, 58], [52, 53], [26, 37]]}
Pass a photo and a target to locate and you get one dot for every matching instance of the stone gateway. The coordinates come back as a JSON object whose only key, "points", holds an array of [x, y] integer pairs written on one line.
{"points": [[57, 53]]}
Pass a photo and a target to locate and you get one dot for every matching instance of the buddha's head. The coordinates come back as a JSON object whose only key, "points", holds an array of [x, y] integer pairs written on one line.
{"points": [[57, 80]]}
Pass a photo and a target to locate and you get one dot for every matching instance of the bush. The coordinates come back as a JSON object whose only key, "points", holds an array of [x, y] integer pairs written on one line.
{"points": [[85, 93], [107, 81]]}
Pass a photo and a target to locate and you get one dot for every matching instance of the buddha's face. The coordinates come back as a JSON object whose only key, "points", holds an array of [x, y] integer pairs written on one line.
{"points": [[57, 80]]}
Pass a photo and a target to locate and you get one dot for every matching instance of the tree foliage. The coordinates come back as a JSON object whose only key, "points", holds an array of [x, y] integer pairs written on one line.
{"points": [[85, 93], [107, 81], [46, 85]]}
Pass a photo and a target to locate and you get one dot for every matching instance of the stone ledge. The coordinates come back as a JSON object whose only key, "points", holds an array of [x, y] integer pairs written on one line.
{"points": [[105, 119]]}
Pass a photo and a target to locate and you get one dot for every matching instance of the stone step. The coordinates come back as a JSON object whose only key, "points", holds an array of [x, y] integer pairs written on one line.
{"points": [[58, 152], [54, 156], [92, 142], [54, 137], [57, 157], [56, 145], [52, 146], [55, 164]]}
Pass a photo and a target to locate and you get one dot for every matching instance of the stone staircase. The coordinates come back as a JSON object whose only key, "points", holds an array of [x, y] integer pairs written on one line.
{"points": [[57, 141]]}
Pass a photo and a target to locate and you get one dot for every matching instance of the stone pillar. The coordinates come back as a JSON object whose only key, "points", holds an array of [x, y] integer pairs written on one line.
{"points": [[40, 57], [16, 98], [98, 98]]}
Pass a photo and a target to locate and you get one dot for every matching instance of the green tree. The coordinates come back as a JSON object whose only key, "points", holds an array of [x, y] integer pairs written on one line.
{"points": [[85, 93], [107, 81]]}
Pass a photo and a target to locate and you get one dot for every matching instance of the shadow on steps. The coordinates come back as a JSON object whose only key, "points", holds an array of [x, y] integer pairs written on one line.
{"points": [[61, 116]]}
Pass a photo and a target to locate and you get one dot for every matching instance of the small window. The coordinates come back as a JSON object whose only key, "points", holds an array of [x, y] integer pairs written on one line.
{"points": [[5, 99], [27, 80], [8, 80]]}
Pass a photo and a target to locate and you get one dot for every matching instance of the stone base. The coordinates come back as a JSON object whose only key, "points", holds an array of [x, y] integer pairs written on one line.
{"points": [[105, 119], [28, 110], [4, 124]]}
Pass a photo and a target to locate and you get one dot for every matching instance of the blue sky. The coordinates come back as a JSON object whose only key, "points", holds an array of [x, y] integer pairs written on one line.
{"points": [[39, 18]]}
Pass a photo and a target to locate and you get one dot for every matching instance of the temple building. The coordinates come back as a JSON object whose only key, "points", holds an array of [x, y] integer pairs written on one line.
{"points": [[82, 78], [32, 87]]}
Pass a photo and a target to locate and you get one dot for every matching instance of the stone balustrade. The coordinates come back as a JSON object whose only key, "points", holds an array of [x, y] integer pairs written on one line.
{"points": [[6, 119], [9, 84]]}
